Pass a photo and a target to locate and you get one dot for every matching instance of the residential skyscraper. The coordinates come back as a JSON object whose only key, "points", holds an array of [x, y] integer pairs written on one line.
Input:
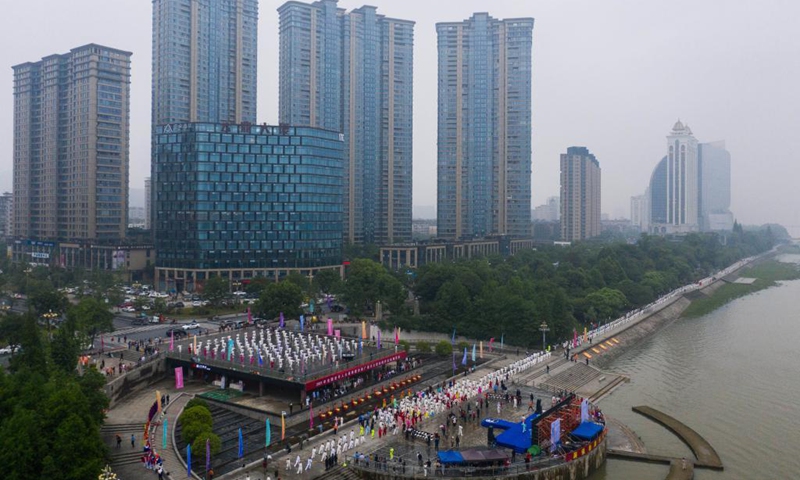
{"points": [[484, 127], [675, 185], [204, 61], [715, 186], [71, 144], [6, 216], [352, 72], [550, 211], [147, 204], [580, 195], [640, 211]]}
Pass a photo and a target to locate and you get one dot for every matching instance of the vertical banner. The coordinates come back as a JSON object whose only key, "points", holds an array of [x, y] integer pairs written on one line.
{"points": [[584, 410], [473, 352], [364, 329], [230, 349], [158, 401], [194, 345], [464, 360], [189, 460], [379, 338], [337, 333], [282, 322], [555, 434], [164, 434], [172, 340], [283, 426], [302, 323], [208, 455], [241, 443], [481, 345], [502, 343], [179, 377], [491, 340], [396, 336], [268, 437], [330, 326]]}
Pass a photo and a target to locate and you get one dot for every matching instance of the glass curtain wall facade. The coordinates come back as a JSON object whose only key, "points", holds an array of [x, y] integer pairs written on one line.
{"points": [[71, 146], [484, 127], [246, 201], [352, 73]]}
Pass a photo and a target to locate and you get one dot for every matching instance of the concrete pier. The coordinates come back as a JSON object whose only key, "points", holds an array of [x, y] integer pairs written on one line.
{"points": [[707, 457]]}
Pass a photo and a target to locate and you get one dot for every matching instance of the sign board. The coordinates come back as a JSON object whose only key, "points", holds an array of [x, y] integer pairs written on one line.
{"points": [[342, 374], [40, 255]]}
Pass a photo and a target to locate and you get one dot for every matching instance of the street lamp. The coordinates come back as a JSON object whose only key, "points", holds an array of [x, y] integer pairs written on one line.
{"points": [[544, 329], [49, 316]]}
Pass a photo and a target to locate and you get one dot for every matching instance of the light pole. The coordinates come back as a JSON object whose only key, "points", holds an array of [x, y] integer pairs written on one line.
{"points": [[544, 329], [49, 316]]}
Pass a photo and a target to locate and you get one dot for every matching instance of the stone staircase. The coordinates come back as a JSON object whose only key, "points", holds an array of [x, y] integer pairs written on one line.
{"points": [[572, 378]]}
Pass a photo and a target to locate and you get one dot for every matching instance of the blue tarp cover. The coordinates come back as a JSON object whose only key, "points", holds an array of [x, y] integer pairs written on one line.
{"points": [[450, 456], [587, 431], [515, 438], [497, 423]]}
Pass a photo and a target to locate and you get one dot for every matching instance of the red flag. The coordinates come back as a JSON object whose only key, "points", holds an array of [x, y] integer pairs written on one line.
{"points": [[396, 335], [491, 340]]}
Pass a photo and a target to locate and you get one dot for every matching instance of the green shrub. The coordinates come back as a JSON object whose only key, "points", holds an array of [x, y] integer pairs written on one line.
{"points": [[196, 414], [405, 345], [196, 401], [444, 348], [199, 443]]}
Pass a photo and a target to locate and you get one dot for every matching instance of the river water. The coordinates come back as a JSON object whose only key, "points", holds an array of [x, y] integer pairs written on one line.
{"points": [[732, 375]]}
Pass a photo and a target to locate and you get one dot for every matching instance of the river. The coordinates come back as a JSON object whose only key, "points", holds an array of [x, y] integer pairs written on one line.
{"points": [[732, 375]]}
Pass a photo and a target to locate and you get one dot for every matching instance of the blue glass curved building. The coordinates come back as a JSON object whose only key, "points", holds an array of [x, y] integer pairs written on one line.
{"points": [[242, 201]]}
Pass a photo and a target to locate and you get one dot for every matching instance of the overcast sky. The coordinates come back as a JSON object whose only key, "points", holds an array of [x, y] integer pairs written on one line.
{"points": [[611, 75]]}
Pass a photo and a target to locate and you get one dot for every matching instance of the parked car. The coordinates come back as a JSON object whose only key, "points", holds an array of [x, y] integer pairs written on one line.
{"points": [[139, 321], [129, 309], [191, 326], [178, 332]]}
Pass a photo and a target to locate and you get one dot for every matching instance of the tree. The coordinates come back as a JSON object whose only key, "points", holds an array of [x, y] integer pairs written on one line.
{"points": [[46, 299], [444, 348], [606, 302], [280, 297], [91, 316], [300, 280], [199, 443], [367, 282], [215, 290], [257, 285], [64, 347], [327, 281]]}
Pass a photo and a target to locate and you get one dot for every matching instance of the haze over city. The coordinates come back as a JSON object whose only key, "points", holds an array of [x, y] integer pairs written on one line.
{"points": [[613, 76]]}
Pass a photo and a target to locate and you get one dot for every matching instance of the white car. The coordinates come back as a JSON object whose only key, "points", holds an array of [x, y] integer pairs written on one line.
{"points": [[197, 303], [239, 293], [129, 309], [9, 349], [191, 326]]}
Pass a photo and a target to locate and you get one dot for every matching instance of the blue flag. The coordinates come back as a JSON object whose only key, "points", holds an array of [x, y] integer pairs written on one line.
{"points": [[164, 435], [208, 454], [241, 444], [464, 360], [302, 322], [473, 352], [189, 460], [360, 345], [230, 348], [453, 341], [260, 359], [268, 439]]}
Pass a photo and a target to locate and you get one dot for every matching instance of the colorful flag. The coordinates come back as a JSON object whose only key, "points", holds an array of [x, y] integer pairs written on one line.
{"points": [[230, 348], [268, 438], [364, 329], [396, 336], [330, 326], [178, 377], [491, 340], [283, 426], [501, 341], [260, 359], [189, 460], [473, 352], [158, 400], [241, 443], [172, 340], [302, 322], [585, 335], [164, 434], [360, 345], [464, 360], [379, 338], [282, 323], [194, 348], [453, 341], [481, 345]]}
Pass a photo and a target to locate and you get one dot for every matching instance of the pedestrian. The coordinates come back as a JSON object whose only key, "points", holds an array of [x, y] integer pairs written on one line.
{"points": [[133, 441], [291, 406], [587, 360], [683, 463], [548, 369], [119, 441], [288, 464]]}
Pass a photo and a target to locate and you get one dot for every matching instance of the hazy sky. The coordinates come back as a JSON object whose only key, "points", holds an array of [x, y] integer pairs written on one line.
{"points": [[611, 75]]}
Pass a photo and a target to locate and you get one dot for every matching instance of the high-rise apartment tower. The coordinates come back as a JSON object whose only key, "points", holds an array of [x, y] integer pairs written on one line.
{"points": [[71, 146], [580, 195], [352, 72], [484, 127]]}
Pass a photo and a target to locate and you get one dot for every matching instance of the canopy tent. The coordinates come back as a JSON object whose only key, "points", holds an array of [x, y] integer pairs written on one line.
{"points": [[483, 456], [587, 431], [497, 423], [450, 457]]}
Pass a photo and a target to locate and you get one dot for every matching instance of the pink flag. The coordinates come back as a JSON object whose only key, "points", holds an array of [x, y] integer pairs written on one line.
{"points": [[178, 377], [171, 341], [330, 326], [396, 335], [337, 333]]}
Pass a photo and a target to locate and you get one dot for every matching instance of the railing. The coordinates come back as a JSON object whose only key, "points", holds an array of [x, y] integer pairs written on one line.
{"points": [[415, 470]]}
